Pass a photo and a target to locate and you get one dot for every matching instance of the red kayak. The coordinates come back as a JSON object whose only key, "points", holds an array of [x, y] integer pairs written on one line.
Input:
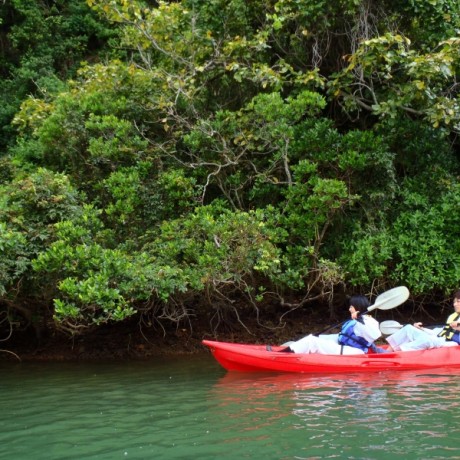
{"points": [[256, 358]]}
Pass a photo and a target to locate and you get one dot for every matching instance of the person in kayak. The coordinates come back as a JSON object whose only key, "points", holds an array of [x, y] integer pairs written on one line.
{"points": [[416, 337], [357, 335]]}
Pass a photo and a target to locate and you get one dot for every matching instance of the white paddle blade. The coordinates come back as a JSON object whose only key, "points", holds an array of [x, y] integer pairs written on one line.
{"points": [[389, 327], [390, 299]]}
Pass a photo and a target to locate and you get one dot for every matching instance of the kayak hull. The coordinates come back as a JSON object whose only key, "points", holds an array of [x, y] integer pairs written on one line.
{"points": [[256, 358]]}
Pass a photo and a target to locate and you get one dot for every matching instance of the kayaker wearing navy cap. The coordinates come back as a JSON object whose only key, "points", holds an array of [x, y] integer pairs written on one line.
{"points": [[358, 334]]}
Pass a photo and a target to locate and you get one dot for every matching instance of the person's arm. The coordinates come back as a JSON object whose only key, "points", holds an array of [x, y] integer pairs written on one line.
{"points": [[369, 329], [424, 329]]}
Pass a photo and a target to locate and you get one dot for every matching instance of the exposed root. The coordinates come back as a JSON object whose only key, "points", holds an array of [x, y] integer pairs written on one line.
{"points": [[11, 353], [6, 318]]}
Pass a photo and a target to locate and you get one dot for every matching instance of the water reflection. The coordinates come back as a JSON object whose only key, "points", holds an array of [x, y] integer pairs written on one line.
{"points": [[351, 387], [360, 416]]}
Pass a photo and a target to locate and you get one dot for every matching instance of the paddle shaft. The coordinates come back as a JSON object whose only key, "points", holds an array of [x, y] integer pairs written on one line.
{"points": [[393, 326], [335, 325]]}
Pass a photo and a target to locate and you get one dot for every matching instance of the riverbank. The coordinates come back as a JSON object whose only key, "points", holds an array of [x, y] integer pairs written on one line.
{"points": [[134, 340]]}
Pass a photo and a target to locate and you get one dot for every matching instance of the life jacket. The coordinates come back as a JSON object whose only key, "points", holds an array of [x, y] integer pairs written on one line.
{"points": [[447, 332], [348, 337]]}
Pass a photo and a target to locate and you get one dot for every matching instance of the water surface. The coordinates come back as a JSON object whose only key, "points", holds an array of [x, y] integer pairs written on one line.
{"points": [[190, 408]]}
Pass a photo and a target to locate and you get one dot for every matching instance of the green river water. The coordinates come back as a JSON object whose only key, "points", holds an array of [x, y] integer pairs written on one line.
{"points": [[190, 408]]}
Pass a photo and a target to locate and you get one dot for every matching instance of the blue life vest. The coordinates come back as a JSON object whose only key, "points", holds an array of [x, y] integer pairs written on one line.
{"points": [[348, 337], [456, 337]]}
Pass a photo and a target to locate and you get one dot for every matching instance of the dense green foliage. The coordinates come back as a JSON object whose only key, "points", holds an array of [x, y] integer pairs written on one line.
{"points": [[191, 157]]}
